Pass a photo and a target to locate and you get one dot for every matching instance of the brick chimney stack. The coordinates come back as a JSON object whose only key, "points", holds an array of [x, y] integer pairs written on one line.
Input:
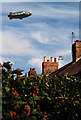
{"points": [[76, 50], [32, 72], [49, 66]]}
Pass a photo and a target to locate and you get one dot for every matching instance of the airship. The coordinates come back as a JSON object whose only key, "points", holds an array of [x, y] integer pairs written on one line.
{"points": [[19, 15]]}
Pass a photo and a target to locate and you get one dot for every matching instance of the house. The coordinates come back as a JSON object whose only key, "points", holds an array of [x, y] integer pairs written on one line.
{"points": [[50, 67], [74, 67]]}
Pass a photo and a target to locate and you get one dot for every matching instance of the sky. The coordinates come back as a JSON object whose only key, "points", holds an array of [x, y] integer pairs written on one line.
{"points": [[40, 0], [46, 33]]}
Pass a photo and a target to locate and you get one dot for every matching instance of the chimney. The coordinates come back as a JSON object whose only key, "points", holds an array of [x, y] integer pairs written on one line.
{"points": [[49, 66], [33, 69], [76, 50], [44, 58], [52, 60], [55, 59], [32, 72], [30, 69]]}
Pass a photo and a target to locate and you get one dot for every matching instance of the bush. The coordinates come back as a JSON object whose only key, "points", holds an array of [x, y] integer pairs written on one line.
{"points": [[39, 97]]}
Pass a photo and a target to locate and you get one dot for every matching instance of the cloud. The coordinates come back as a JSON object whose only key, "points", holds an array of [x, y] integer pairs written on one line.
{"points": [[57, 34], [13, 44], [64, 52], [43, 10], [35, 62], [39, 37]]}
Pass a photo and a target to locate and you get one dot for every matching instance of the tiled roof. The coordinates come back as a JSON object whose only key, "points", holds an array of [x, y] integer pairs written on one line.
{"points": [[71, 68]]}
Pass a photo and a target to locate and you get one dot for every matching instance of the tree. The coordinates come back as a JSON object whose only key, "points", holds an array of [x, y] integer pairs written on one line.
{"points": [[40, 97]]}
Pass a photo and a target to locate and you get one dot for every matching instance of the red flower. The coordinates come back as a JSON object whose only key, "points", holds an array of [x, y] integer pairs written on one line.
{"points": [[34, 94], [55, 88], [14, 113], [19, 76], [14, 93], [37, 89], [15, 107], [45, 113], [24, 112], [16, 97], [28, 114], [13, 89], [3, 69], [17, 94], [38, 107], [37, 92], [45, 116], [28, 106], [11, 114], [29, 111]]}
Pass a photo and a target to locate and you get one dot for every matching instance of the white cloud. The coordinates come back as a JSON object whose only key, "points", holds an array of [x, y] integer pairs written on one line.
{"points": [[15, 45], [43, 10], [58, 34], [61, 12], [39, 37], [35, 62], [64, 52]]}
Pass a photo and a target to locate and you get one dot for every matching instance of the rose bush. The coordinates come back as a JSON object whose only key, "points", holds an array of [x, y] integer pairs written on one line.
{"points": [[39, 97]]}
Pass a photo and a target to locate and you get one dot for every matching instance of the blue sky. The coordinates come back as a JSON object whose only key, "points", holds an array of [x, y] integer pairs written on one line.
{"points": [[46, 33]]}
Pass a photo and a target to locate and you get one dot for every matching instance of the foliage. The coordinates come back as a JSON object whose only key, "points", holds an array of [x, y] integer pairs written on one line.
{"points": [[39, 97]]}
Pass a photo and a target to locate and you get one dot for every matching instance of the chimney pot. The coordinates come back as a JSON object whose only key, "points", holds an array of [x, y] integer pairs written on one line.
{"points": [[33, 69], [77, 41], [44, 58], [52, 60], [55, 60]]}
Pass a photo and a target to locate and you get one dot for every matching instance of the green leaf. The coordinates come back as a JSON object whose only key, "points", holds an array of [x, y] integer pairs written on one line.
{"points": [[34, 111], [44, 93], [33, 118], [44, 119], [48, 98], [31, 101], [36, 98], [39, 81], [18, 71]]}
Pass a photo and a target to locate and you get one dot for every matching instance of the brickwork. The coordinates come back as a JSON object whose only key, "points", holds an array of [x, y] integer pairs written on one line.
{"points": [[49, 66], [76, 50], [32, 72]]}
